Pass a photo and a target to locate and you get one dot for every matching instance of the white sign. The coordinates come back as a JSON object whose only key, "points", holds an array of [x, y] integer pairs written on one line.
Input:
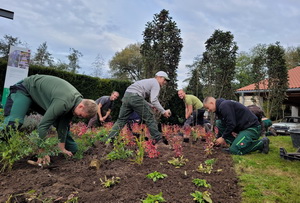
{"points": [[17, 68]]}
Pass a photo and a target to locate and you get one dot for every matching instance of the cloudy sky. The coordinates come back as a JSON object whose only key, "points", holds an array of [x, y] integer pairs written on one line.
{"points": [[106, 26]]}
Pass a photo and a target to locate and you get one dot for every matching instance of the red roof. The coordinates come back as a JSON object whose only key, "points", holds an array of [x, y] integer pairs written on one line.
{"points": [[294, 81]]}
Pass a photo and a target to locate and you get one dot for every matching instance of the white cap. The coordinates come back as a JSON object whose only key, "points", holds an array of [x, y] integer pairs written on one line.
{"points": [[162, 74]]}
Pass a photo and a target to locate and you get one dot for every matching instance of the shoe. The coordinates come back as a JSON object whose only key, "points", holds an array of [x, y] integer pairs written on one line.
{"points": [[266, 143]]}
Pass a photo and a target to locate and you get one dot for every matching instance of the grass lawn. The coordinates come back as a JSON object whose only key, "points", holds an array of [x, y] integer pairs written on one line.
{"points": [[269, 178]]}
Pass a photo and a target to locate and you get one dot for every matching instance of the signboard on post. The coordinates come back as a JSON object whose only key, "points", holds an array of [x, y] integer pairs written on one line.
{"points": [[17, 69]]}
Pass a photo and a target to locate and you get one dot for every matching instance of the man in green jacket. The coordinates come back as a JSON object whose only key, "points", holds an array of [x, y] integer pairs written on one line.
{"points": [[56, 99]]}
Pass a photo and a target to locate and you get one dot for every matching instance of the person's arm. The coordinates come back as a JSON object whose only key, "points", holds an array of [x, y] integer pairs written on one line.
{"points": [[230, 121], [54, 113], [99, 112], [107, 114], [188, 110], [154, 99]]}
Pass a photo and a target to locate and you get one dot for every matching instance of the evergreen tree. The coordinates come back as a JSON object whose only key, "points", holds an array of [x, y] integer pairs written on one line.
{"points": [[278, 77], [161, 49], [219, 64]]}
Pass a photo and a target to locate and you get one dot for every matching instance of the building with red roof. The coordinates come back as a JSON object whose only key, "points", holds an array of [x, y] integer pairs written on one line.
{"points": [[247, 93]]}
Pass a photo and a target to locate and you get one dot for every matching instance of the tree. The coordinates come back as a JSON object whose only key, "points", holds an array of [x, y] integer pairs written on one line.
{"points": [[98, 66], [292, 57], [42, 56], [74, 60], [161, 49], [194, 86], [219, 60], [127, 64], [243, 71], [6, 43], [278, 77]]}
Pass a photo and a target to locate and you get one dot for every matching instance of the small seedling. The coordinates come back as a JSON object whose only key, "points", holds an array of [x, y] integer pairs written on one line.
{"points": [[202, 197], [178, 162], [201, 183], [156, 175], [109, 182], [154, 198], [207, 167]]}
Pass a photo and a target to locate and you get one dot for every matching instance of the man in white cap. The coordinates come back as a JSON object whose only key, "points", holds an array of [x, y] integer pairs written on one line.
{"points": [[134, 100]]}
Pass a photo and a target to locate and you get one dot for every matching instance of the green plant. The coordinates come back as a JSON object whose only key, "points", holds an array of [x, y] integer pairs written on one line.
{"points": [[154, 198], [207, 167], [201, 183], [119, 151], [16, 147], [30, 196], [49, 145], [202, 197], [178, 162], [156, 175], [109, 182], [141, 150]]}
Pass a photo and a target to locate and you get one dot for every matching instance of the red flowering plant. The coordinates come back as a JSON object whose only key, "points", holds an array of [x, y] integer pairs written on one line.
{"points": [[186, 131], [151, 149], [198, 132], [78, 129], [176, 143], [127, 137], [167, 131], [171, 135], [209, 142]]}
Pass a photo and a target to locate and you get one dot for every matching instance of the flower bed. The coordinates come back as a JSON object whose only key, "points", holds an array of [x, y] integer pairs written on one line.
{"points": [[75, 180]]}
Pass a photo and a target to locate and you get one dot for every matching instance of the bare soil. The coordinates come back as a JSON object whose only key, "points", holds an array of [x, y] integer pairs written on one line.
{"points": [[74, 178]]}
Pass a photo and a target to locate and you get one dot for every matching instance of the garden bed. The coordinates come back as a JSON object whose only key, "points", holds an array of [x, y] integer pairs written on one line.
{"points": [[74, 179]]}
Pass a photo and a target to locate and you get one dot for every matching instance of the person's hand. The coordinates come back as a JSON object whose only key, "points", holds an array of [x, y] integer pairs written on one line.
{"points": [[167, 113], [44, 160], [64, 151], [220, 141], [101, 119]]}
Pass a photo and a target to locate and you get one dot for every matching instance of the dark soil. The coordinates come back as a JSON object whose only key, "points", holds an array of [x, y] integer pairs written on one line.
{"points": [[74, 178]]}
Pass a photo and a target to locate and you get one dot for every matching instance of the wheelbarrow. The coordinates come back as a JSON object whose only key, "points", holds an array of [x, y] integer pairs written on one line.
{"points": [[290, 156]]}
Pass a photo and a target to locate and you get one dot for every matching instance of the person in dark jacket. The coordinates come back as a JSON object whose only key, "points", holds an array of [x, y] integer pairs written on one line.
{"points": [[237, 125], [56, 99]]}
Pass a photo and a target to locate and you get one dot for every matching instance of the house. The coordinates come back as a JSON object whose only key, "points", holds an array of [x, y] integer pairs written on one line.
{"points": [[246, 94]]}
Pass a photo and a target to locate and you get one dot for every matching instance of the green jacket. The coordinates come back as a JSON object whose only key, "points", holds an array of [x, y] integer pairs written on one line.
{"points": [[58, 98]]}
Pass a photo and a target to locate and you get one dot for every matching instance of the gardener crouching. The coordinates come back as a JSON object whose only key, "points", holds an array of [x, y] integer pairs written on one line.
{"points": [[235, 118], [57, 100]]}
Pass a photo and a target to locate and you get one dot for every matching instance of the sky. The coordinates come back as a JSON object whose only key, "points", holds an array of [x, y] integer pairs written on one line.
{"points": [[104, 27]]}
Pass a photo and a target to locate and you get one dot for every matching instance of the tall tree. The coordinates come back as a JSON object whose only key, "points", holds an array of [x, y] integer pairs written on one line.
{"points": [[278, 77], [219, 64], [98, 66], [6, 43], [161, 49], [74, 60], [128, 63], [42, 57]]}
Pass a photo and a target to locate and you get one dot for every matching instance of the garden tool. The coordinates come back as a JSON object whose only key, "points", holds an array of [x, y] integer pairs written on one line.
{"points": [[42, 166]]}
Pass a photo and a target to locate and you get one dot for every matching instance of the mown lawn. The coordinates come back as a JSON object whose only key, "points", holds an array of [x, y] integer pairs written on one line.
{"points": [[269, 178]]}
